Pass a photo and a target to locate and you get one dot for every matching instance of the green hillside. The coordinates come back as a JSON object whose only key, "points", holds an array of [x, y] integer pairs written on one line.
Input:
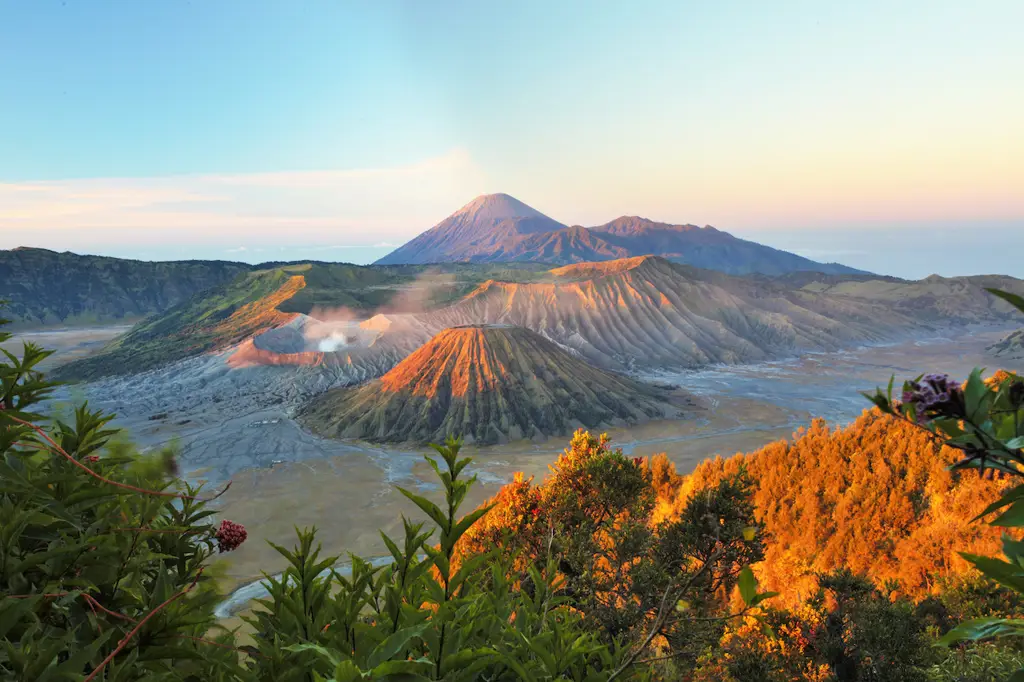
{"points": [[268, 297], [46, 288]]}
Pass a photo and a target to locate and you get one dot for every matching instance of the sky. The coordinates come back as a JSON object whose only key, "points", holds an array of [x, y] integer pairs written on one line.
{"points": [[885, 135]]}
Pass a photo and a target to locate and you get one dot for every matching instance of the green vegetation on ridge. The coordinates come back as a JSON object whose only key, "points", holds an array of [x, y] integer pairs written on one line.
{"points": [[200, 324], [46, 288], [204, 322]]}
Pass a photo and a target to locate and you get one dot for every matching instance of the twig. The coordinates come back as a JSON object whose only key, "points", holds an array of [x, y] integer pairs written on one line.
{"points": [[138, 626], [155, 530], [89, 599], [92, 600], [659, 620], [220, 644], [117, 484]]}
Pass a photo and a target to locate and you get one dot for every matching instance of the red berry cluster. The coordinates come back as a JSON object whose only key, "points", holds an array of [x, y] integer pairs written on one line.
{"points": [[230, 535], [92, 459]]}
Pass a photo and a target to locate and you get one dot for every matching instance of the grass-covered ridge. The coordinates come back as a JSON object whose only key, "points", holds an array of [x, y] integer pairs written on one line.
{"points": [[270, 295], [46, 288], [211, 320]]}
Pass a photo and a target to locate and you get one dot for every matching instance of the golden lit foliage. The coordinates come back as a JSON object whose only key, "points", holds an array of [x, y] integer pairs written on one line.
{"points": [[523, 510], [875, 497]]}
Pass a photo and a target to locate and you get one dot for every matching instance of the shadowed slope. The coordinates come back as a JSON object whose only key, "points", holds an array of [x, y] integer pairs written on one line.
{"points": [[706, 247], [46, 288], [490, 384]]}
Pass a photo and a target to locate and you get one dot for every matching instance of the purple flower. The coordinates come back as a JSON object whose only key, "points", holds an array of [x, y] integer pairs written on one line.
{"points": [[935, 395]]}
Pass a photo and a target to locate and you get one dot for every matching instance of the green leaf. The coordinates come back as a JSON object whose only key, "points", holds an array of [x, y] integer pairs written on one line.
{"points": [[347, 671], [761, 596], [428, 507], [13, 610], [1015, 443], [1012, 517], [982, 628], [331, 656], [1013, 299], [403, 670], [467, 522], [974, 394], [1009, 497], [1010, 575], [748, 585], [395, 643], [467, 660]]}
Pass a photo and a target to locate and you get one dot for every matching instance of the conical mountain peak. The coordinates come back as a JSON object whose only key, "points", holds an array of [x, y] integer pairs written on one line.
{"points": [[498, 207], [490, 383]]}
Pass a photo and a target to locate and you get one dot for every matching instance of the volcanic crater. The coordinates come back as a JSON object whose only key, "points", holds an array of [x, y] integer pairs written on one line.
{"points": [[490, 383]]}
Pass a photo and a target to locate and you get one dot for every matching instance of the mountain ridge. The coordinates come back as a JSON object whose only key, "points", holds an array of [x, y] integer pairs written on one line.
{"points": [[49, 288], [499, 228]]}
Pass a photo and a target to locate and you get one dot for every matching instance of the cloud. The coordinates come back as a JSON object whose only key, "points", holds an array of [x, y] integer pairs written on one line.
{"points": [[370, 207]]}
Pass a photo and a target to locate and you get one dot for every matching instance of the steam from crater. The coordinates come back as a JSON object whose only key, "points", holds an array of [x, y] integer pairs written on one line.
{"points": [[335, 341]]}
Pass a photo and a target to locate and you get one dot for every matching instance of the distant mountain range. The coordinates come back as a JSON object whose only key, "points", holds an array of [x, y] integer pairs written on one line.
{"points": [[633, 313], [499, 228]]}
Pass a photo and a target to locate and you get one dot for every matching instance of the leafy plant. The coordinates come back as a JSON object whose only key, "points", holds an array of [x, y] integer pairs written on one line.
{"points": [[428, 615], [984, 419], [101, 557]]}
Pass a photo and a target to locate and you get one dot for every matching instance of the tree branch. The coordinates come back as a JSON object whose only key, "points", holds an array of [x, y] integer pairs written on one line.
{"points": [[117, 484], [138, 626]]}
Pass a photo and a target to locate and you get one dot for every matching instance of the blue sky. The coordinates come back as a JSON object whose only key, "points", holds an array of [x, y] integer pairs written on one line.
{"points": [[885, 135]]}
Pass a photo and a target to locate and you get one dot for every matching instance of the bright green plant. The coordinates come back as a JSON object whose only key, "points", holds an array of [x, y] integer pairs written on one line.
{"points": [[101, 559], [426, 616], [985, 662]]}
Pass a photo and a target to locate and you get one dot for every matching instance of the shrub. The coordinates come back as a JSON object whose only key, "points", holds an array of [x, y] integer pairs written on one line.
{"points": [[101, 555]]}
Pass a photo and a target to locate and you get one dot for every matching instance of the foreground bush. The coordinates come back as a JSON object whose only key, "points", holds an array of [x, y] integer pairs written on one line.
{"points": [[101, 556]]}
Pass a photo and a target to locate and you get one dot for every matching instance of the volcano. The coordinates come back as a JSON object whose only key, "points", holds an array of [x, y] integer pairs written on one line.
{"points": [[497, 228], [486, 225], [489, 384]]}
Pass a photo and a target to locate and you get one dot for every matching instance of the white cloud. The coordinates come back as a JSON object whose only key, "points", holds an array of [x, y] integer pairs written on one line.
{"points": [[371, 207]]}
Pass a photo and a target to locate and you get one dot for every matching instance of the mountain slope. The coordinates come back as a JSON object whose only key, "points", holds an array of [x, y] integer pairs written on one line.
{"points": [[498, 228], [1011, 347], [570, 245], [706, 247], [228, 315], [285, 296], [490, 384], [478, 227], [647, 312], [46, 288], [934, 299]]}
